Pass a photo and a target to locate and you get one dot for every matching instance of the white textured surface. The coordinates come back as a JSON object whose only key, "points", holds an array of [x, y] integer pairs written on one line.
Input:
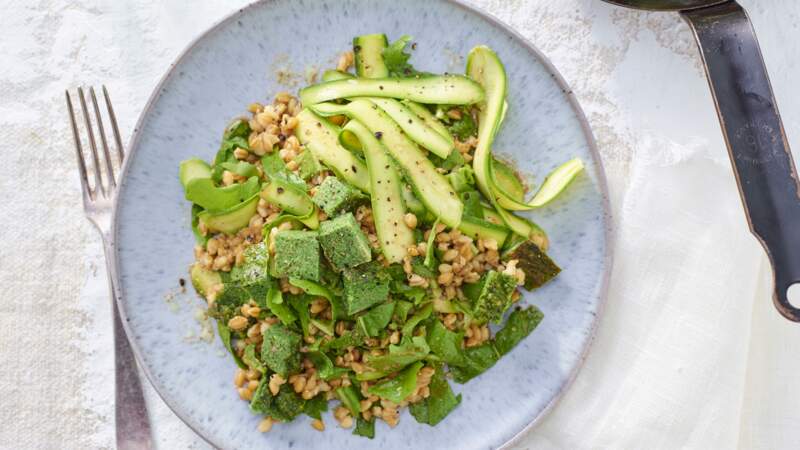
{"points": [[690, 353]]}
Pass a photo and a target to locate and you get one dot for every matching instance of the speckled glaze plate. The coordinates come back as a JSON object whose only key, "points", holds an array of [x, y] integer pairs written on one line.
{"points": [[233, 64]]}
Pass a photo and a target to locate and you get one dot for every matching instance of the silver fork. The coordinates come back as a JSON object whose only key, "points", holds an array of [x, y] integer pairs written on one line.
{"points": [[132, 423]]}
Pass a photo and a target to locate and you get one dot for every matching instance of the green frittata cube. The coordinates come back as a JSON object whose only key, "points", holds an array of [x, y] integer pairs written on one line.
{"points": [[297, 254], [364, 286], [335, 197], [494, 299], [343, 242]]}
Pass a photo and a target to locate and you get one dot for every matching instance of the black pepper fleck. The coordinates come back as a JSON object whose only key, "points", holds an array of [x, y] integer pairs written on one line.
{"points": [[182, 282], [357, 48], [354, 169], [280, 190], [378, 135]]}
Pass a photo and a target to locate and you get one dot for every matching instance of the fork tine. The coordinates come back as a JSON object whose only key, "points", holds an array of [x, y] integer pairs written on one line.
{"points": [[100, 129], [78, 149], [92, 144], [114, 128]]}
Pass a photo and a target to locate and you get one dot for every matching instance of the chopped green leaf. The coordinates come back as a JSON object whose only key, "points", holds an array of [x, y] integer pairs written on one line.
{"points": [[318, 290], [520, 323], [398, 388], [439, 403], [198, 236], [396, 59], [365, 428], [326, 326], [225, 152], [376, 319], [464, 127], [399, 356], [280, 350], [350, 399], [401, 310], [462, 179], [249, 357], [349, 339], [419, 316], [472, 204], [225, 337], [278, 307], [445, 344], [299, 304], [316, 406], [239, 128], [241, 168], [477, 360], [418, 267], [325, 368], [274, 168]]}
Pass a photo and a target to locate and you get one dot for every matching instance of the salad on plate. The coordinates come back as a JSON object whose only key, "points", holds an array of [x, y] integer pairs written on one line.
{"points": [[355, 243]]}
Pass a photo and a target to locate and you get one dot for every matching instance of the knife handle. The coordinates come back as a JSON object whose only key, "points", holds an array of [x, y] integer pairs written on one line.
{"points": [[757, 145]]}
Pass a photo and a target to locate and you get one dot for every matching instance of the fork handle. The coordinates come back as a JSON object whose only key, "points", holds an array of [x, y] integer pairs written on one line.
{"points": [[130, 410]]}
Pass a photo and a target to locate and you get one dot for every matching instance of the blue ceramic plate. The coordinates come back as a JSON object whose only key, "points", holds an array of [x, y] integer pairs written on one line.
{"points": [[234, 64]]}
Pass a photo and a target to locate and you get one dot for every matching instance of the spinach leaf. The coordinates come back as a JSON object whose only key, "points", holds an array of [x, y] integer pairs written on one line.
{"points": [[419, 316], [316, 406], [399, 356], [462, 179], [453, 160], [325, 368], [520, 323], [350, 399], [338, 309], [365, 428], [398, 388], [418, 267], [225, 152], [472, 204], [278, 307], [274, 168], [280, 350], [445, 344], [197, 209], [351, 338], [464, 127], [401, 310], [396, 59], [252, 360], [439, 404], [376, 319], [241, 168], [239, 128], [225, 337], [300, 305], [476, 361], [326, 326]]}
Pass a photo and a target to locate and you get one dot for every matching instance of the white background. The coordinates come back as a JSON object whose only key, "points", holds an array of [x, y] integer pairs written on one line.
{"points": [[689, 354]]}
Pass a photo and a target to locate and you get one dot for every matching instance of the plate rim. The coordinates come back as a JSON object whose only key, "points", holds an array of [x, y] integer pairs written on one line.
{"points": [[609, 232]]}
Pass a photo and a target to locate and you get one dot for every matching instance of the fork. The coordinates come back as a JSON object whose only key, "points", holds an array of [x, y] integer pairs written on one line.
{"points": [[132, 423]]}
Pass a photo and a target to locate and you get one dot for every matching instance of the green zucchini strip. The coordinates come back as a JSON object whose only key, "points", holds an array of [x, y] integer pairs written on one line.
{"points": [[414, 127], [431, 187], [387, 197], [368, 51], [485, 68], [437, 89], [321, 138]]}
